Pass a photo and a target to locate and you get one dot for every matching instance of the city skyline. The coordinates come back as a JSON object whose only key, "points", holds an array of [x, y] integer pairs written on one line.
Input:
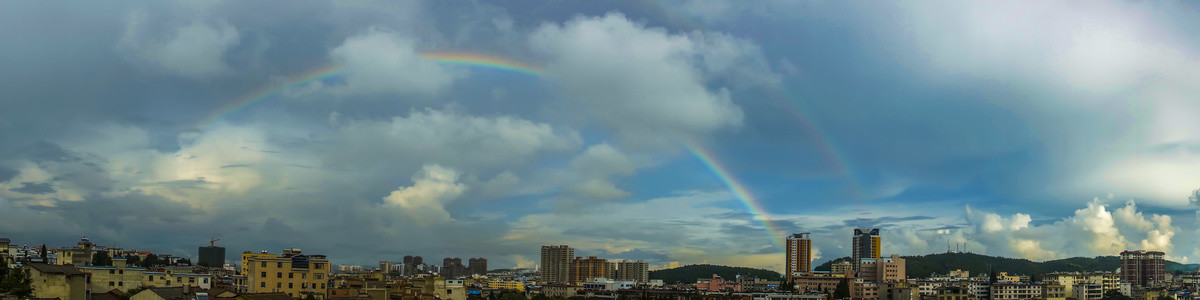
{"points": [[685, 131]]}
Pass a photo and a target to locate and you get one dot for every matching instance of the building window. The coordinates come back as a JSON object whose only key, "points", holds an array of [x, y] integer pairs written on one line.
{"points": [[122, 272], [322, 285], [264, 264], [110, 283], [303, 275], [290, 274], [205, 280], [279, 285], [279, 265], [191, 280], [150, 278], [318, 276], [262, 284], [278, 274], [289, 285], [304, 285], [120, 283], [112, 271], [264, 274]]}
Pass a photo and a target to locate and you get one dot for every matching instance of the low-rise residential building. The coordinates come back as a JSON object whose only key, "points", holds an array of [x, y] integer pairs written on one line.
{"points": [[605, 284], [507, 285], [124, 278], [560, 290], [1052, 291], [290, 272], [883, 270], [58, 281], [1085, 285], [1016, 290], [861, 289], [820, 282], [716, 284], [952, 292], [899, 291]]}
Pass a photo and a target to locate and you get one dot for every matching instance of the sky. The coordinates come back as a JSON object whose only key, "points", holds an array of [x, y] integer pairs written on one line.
{"points": [[689, 131]]}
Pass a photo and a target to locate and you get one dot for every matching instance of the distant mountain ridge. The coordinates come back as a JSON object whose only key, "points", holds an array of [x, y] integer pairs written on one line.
{"points": [[689, 273], [943, 263]]}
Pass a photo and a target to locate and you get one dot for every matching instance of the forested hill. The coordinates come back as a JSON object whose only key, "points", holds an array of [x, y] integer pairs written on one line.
{"points": [[942, 263], [689, 273]]}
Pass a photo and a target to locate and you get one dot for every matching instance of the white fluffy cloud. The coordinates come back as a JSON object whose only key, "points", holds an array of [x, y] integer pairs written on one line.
{"points": [[446, 137], [647, 83], [1111, 84], [193, 50], [433, 187], [596, 166], [1091, 231], [382, 61]]}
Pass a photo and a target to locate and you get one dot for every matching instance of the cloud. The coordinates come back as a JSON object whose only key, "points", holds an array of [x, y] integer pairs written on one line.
{"points": [[648, 84], [1107, 82], [446, 137], [1091, 231], [432, 189], [34, 188], [194, 50], [382, 61]]}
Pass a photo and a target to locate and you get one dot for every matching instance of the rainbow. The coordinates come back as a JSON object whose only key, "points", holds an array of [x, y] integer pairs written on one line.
{"points": [[822, 142], [325, 72], [483, 61], [475, 60], [738, 189]]}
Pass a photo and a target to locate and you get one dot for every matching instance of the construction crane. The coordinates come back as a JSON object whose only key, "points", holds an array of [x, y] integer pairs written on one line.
{"points": [[213, 242]]}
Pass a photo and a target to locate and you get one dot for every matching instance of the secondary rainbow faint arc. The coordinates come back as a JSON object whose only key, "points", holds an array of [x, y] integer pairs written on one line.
{"points": [[738, 189], [324, 72]]}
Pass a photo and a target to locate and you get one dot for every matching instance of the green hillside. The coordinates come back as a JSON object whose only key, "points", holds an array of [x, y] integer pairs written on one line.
{"points": [[689, 273], [942, 263]]}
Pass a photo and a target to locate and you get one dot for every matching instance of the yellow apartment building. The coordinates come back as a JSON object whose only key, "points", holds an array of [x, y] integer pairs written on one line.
{"points": [[290, 272]]}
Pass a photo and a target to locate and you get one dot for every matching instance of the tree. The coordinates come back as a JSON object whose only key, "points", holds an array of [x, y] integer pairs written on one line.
{"points": [[788, 286], [133, 261], [843, 290], [512, 295], [310, 297], [17, 283], [3, 267], [1115, 295], [101, 259], [1165, 297], [150, 261]]}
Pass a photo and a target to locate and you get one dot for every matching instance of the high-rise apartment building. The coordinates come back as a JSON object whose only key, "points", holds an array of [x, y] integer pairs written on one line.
{"points": [[584, 269], [798, 255], [478, 266], [865, 244], [386, 266], [413, 265], [290, 272], [633, 271], [1142, 269], [212, 257], [453, 267], [556, 263]]}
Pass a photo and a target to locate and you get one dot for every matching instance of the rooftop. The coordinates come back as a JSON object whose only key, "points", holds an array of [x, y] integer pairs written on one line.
{"points": [[56, 269]]}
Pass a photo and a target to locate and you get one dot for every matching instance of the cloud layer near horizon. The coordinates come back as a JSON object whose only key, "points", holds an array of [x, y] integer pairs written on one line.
{"points": [[939, 124]]}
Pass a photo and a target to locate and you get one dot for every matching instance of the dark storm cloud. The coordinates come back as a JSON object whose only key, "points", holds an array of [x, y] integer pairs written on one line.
{"points": [[34, 188]]}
